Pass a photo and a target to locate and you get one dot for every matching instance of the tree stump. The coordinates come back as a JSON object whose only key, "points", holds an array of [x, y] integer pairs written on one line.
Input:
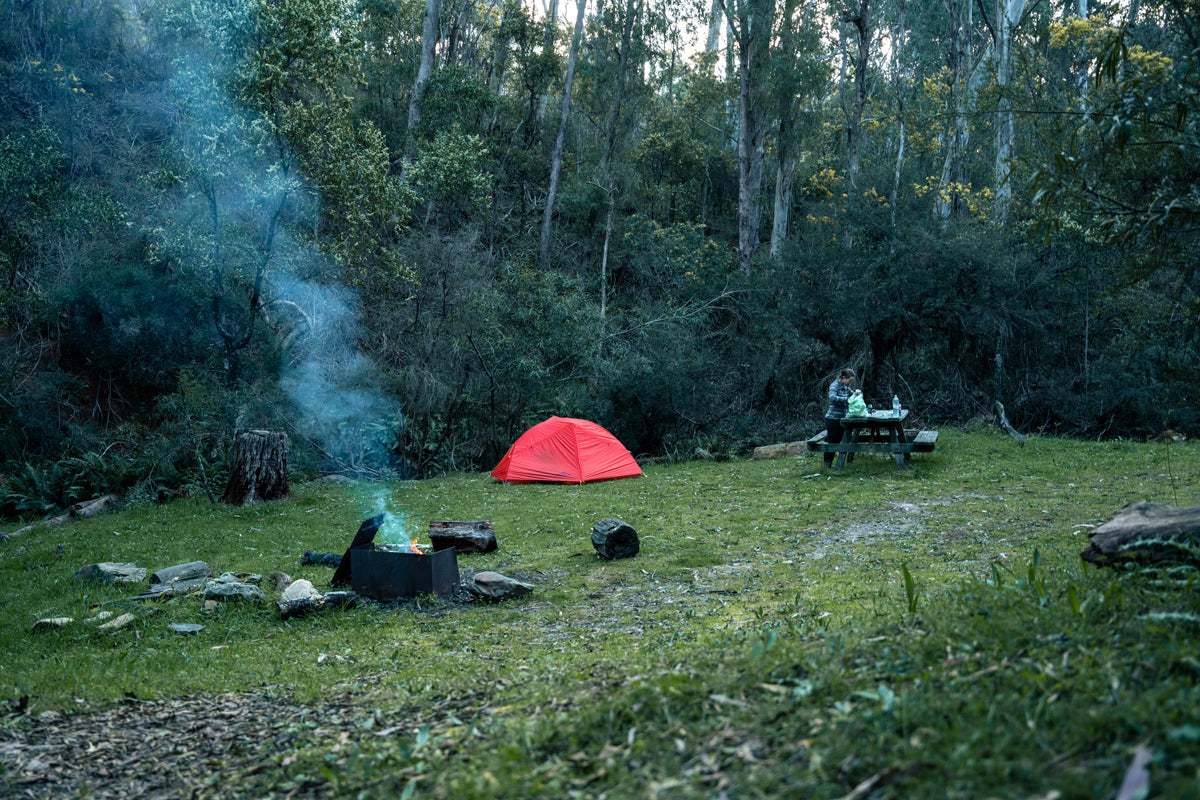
{"points": [[258, 468], [614, 539], [1144, 532]]}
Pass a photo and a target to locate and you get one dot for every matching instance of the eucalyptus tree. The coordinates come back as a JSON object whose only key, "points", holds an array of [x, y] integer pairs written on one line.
{"points": [[861, 17], [1129, 168], [799, 73], [1004, 24], [429, 37], [751, 26], [556, 156], [967, 59]]}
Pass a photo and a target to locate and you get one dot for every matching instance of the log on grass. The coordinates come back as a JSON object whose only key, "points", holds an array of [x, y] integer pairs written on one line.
{"points": [[258, 469], [1145, 532], [310, 559], [1004, 423], [473, 536], [301, 606], [81, 510]]}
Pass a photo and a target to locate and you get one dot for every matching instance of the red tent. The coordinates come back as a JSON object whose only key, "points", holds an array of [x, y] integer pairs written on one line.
{"points": [[566, 450]]}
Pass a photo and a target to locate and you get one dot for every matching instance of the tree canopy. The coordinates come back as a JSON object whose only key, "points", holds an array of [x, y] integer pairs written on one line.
{"points": [[201, 201]]}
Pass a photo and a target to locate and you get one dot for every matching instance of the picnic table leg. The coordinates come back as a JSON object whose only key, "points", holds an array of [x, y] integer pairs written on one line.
{"points": [[841, 457], [895, 438]]}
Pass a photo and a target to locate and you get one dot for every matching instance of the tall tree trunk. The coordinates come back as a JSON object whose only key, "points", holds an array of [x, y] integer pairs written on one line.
{"points": [[785, 179], [547, 48], [785, 135], [715, 17], [968, 76], [429, 36], [898, 84], [1081, 8], [632, 11], [863, 27], [258, 468], [1008, 15], [498, 65], [751, 26], [556, 156]]}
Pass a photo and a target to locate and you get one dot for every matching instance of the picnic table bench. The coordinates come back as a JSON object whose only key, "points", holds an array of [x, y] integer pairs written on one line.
{"points": [[878, 432]]}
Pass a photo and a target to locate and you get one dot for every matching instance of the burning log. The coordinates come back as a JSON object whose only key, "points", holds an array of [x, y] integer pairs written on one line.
{"points": [[465, 537], [258, 469]]}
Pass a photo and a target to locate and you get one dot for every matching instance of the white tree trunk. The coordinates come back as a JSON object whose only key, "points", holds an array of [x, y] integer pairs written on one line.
{"points": [[1008, 15], [1082, 9], [429, 36], [784, 185], [547, 46], [715, 17], [556, 157], [750, 25], [969, 75], [898, 83]]}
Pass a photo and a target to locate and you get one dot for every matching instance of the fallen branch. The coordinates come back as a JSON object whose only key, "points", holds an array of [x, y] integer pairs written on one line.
{"points": [[88, 508], [1004, 423]]}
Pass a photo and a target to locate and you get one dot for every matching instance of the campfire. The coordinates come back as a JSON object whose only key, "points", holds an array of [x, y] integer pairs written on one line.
{"points": [[396, 567]]}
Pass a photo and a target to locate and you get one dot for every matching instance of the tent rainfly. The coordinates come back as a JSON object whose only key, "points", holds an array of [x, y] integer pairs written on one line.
{"points": [[566, 450]]}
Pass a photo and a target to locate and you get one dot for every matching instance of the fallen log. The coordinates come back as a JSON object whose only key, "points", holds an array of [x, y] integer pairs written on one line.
{"points": [[90, 508], [307, 605], [1004, 423], [475, 536], [81, 510], [1145, 532], [310, 559]]}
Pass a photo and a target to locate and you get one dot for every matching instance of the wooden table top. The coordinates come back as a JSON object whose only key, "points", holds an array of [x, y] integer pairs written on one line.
{"points": [[877, 419]]}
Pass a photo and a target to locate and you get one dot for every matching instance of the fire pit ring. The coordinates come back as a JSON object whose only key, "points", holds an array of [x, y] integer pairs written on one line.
{"points": [[390, 575]]}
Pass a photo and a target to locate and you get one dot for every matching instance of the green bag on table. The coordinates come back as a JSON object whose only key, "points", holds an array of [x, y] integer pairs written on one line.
{"points": [[858, 406]]}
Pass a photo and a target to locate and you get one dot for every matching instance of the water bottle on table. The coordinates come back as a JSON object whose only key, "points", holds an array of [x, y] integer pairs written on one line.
{"points": [[896, 405]]}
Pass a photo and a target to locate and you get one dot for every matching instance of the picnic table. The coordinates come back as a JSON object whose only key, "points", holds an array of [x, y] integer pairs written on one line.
{"points": [[877, 432]]}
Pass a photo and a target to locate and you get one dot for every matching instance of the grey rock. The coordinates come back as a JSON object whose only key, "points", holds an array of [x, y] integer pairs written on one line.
{"points": [[495, 587], [227, 587], [299, 589]]}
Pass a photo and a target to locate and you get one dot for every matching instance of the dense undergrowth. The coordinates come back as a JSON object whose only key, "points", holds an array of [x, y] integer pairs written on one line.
{"points": [[786, 631]]}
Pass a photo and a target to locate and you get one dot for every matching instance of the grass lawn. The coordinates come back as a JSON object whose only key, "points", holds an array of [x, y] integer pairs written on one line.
{"points": [[785, 631]]}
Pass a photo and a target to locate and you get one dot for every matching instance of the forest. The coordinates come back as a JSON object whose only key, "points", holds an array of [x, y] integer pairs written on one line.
{"points": [[404, 231]]}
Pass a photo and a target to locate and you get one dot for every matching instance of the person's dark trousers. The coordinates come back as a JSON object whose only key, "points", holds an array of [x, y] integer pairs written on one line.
{"points": [[833, 435]]}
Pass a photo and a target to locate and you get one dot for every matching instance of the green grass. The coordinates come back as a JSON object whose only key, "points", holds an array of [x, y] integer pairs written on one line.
{"points": [[786, 631]]}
